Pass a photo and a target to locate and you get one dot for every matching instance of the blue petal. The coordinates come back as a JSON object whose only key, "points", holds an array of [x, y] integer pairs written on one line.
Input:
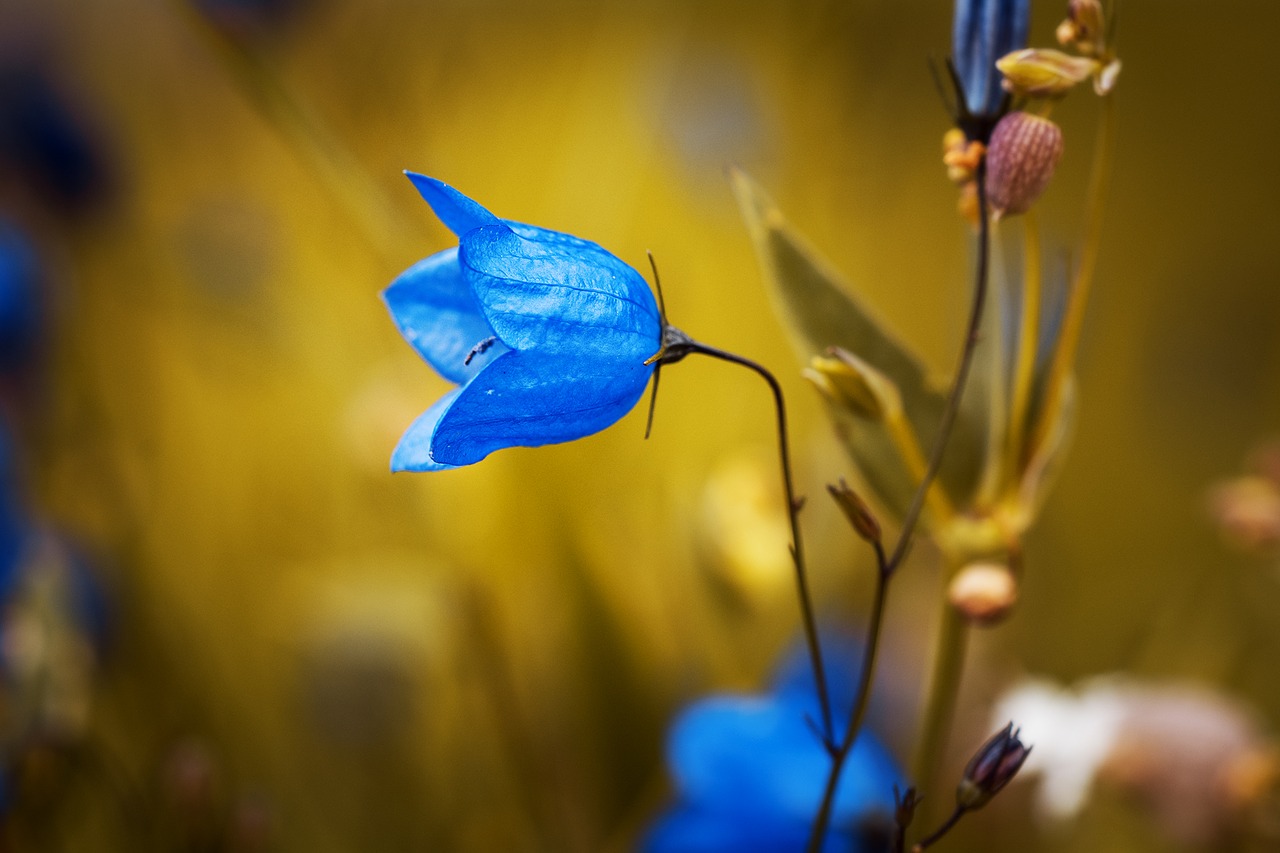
{"points": [[528, 399], [745, 755], [413, 453], [459, 213], [982, 32], [842, 659], [434, 309], [695, 830], [558, 294]]}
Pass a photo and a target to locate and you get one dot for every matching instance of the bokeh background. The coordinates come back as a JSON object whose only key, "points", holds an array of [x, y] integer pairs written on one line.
{"points": [[307, 653]]}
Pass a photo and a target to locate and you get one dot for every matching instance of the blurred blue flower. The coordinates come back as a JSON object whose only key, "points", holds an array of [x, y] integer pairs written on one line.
{"points": [[546, 334], [46, 142], [982, 32], [20, 299], [750, 770]]}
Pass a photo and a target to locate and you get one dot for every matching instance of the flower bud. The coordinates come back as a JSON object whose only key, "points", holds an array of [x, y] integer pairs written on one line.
{"points": [[984, 592], [1024, 152], [995, 763], [961, 156], [848, 381], [857, 511], [1043, 73], [1084, 27]]}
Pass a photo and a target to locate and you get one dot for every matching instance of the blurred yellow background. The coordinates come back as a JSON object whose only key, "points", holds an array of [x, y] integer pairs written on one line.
{"points": [[486, 659]]}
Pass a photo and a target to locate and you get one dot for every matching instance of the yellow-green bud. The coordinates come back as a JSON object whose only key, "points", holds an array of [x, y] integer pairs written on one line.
{"points": [[1043, 73], [1023, 154], [847, 380]]}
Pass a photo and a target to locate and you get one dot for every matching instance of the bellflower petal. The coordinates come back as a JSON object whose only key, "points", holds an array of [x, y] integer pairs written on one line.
{"points": [[413, 453], [547, 334], [982, 32], [744, 754], [459, 213], [434, 309], [749, 773], [694, 830], [555, 295], [529, 399]]}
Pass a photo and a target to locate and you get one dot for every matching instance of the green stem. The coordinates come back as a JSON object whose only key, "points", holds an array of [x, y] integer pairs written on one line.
{"points": [[1064, 353], [944, 688]]}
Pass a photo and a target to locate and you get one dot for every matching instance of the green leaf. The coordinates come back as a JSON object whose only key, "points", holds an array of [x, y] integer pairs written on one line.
{"points": [[820, 311]]}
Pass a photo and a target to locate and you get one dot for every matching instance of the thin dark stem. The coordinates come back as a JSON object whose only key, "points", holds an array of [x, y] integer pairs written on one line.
{"points": [[838, 758], [937, 834], [967, 348], [886, 568], [793, 512]]}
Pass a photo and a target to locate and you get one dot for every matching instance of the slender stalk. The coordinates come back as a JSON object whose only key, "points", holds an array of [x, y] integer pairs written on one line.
{"points": [[944, 687], [841, 755], [888, 566], [961, 379], [793, 512], [937, 834], [1028, 335], [1069, 337]]}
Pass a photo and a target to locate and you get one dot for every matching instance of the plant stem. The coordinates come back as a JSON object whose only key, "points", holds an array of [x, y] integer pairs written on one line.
{"points": [[1064, 353], [1028, 338], [838, 758], [944, 687], [887, 567], [793, 512]]}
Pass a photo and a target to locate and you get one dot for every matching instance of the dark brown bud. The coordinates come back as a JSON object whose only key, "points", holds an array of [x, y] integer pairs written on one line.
{"points": [[1023, 154], [992, 766], [856, 510]]}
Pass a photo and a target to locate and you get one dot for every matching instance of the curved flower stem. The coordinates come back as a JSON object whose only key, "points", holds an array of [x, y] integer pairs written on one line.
{"points": [[887, 567], [687, 346], [937, 834]]}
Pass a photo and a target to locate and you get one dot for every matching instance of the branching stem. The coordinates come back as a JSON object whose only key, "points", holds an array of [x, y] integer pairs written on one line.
{"points": [[887, 567]]}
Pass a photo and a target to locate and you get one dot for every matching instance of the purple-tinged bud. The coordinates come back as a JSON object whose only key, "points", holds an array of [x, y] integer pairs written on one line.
{"points": [[995, 763], [856, 510], [1023, 154]]}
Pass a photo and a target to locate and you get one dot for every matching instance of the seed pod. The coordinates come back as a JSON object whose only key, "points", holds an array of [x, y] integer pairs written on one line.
{"points": [[1024, 151], [983, 592]]}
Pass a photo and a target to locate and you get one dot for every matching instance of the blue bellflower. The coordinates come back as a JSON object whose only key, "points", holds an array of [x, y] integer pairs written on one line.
{"points": [[982, 32], [548, 336], [749, 772]]}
